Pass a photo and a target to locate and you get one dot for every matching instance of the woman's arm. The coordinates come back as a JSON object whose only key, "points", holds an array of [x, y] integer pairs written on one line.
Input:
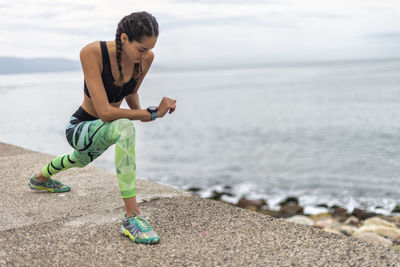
{"points": [[133, 98], [91, 64], [133, 101]]}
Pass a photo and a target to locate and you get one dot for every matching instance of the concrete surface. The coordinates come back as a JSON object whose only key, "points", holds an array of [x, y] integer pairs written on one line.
{"points": [[81, 227]]}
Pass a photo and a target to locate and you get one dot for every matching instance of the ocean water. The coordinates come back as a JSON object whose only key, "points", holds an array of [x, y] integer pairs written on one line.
{"points": [[325, 133]]}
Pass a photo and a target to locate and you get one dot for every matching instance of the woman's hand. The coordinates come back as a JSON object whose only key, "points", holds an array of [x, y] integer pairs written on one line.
{"points": [[167, 104]]}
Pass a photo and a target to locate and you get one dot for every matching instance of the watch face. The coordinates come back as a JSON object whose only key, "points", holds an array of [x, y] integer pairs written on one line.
{"points": [[152, 109]]}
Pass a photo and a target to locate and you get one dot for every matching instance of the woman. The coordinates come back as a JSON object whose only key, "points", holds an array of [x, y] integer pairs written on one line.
{"points": [[113, 71]]}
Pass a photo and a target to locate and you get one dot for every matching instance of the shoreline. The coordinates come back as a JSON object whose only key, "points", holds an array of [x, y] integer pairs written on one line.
{"points": [[225, 194], [375, 228]]}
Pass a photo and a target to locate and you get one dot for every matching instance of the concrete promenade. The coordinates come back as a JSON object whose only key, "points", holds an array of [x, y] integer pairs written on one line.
{"points": [[82, 227]]}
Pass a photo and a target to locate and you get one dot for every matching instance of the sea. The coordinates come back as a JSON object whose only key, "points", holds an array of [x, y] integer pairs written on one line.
{"points": [[326, 133]]}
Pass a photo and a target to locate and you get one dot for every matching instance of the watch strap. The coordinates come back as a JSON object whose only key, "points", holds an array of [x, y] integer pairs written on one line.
{"points": [[153, 115]]}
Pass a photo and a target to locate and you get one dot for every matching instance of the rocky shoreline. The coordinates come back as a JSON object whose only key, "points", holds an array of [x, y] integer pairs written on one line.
{"points": [[365, 225]]}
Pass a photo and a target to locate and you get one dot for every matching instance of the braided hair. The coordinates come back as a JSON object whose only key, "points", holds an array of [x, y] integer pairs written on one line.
{"points": [[136, 26]]}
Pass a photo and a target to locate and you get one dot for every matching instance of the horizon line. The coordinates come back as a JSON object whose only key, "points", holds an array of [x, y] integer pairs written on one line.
{"points": [[226, 66]]}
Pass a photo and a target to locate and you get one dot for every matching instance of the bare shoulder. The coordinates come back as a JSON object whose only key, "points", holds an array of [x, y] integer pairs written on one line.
{"points": [[91, 52], [148, 60]]}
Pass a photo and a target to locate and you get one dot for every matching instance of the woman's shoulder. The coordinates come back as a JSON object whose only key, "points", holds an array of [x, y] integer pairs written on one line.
{"points": [[91, 50], [148, 60], [150, 56]]}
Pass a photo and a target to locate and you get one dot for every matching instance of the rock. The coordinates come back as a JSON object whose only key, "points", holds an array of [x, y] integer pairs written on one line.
{"points": [[218, 195], [352, 221], [252, 207], [323, 220], [375, 239], [320, 216], [290, 210], [347, 229], [363, 215], [397, 247], [331, 230], [194, 189], [396, 220], [322, 206], [289, 207], [396, 209], [390, 232], [327, 222], [270, 213], [379, 222], [244, 203], [340, 213], [391, 218], [388, 218], [289, 201], [300, 219]]}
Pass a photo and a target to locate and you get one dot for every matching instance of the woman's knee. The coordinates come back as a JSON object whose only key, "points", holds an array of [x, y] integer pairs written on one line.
{"points": [[125, 127], [80, 164], [123, 123], [78, 160]]}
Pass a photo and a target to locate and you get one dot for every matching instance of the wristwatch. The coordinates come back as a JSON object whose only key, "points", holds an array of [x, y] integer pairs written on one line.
{"points": [[153, 111]]}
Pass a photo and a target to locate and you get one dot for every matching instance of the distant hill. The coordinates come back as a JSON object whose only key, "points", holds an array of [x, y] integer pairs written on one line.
{"points": [[10, 65]]}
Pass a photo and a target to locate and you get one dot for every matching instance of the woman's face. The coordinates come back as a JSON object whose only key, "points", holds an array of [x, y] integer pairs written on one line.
{"points": [[137, 51]]}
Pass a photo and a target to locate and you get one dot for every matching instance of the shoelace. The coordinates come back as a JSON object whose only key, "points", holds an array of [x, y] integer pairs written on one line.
{"points": [[143, 224], [52, 183]]}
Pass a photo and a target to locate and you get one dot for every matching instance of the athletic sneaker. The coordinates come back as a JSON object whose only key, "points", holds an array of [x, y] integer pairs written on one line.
{"points": [[139, 230], [50, 185]]}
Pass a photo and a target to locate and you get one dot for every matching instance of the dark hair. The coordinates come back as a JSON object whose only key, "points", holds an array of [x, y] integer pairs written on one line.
{"points": [[136, 26]]}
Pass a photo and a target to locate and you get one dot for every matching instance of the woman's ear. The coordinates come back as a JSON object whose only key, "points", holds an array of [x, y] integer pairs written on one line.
{"points": [[124, 38]]}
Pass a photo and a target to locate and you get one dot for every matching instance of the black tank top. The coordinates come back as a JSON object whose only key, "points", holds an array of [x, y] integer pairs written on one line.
{"points": [[114, 93]]}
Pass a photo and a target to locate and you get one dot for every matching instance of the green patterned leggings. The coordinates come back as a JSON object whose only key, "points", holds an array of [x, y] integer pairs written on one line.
{"points": [[90, 139]]}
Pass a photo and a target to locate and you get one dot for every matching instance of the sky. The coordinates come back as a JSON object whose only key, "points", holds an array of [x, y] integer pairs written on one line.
{"points": [[207, 32]]}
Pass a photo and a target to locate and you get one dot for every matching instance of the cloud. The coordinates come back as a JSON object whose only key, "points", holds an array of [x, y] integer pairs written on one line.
{"points": [[240, 2], [168, 22], [207, 31], [59, 29], [386, 36], [324, 16]]}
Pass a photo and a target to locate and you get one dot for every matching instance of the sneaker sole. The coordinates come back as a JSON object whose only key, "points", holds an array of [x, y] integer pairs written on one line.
{"points": [[35, 187], [125, 232]]}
